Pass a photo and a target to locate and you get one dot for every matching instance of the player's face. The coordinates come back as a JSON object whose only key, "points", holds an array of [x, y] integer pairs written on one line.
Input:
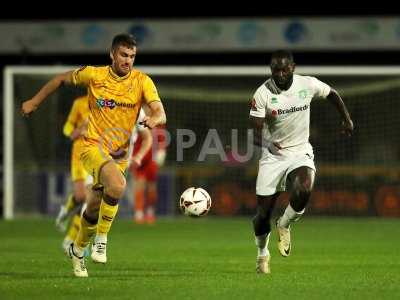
{"points": [[282, 71], [122, 59]]}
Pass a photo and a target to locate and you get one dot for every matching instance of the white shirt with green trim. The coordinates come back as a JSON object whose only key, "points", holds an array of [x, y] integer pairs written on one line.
{"points": [[287, 113]]}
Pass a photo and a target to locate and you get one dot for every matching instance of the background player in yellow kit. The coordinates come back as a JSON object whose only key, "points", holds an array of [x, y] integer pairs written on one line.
{"points": [[75, 128], [116, 94]]}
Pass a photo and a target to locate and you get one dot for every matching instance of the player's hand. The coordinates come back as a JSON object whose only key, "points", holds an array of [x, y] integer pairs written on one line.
{"points": [[347, 127], [28, 107], [75, 134], [160, 157], [274, 148], [80, 131], [148, 122], [277, 145], [135, 162]]}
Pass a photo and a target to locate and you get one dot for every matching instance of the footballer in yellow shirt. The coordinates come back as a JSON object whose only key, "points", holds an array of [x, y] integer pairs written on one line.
{"points": [[114, 104], [116, 94]]}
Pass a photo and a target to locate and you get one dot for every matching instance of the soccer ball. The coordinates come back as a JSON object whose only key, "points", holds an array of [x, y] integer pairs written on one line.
{"points": [[195, 202]]}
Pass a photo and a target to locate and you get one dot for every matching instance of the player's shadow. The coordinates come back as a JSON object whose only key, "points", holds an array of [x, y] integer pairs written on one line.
{"points": [[24, 275], [141, 274]]}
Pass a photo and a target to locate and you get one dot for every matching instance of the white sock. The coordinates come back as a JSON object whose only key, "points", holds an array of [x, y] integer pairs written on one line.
{"points": [[289, 216], [101, 238], [139, 215], [262, 244], [150, 211]]}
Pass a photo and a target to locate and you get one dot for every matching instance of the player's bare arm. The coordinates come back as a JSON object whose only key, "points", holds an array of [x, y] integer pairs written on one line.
{"points": [[257, 125], [157, 115], [347, 123], [50, 87], [147, 141]]}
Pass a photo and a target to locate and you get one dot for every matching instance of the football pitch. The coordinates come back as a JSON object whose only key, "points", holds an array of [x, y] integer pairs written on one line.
{"points": [[207, 258]]}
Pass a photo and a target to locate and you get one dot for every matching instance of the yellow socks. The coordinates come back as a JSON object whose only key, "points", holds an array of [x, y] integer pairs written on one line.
{"points": [[74, 227], [85, 233], [106, 215]]}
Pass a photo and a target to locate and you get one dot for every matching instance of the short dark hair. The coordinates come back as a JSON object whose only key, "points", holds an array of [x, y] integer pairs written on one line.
{"points": [[123, 39], [280, 54]]}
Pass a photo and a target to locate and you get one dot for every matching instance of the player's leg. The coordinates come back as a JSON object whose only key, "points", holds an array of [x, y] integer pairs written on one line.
{"points": [[87, 229], [270, 181], [72, 206], [79, 193], [262, 230], [151, 192], [114, 184], [65, 212], [72, 231], [301, 184], [139, 187], [75, 200], [151, 197]]}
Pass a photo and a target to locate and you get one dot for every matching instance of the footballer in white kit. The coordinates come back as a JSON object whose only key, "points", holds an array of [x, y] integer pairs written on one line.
{"points": [[280, 118], [287, 115]]}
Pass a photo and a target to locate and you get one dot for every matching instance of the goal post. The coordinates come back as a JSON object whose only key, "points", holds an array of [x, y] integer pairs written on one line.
{"points": [[200, 84], [8, 127]]}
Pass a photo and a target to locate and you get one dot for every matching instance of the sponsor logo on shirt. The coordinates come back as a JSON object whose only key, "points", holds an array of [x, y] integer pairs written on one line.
{"points": [[111, 103], [303, 94], [290, 110]]}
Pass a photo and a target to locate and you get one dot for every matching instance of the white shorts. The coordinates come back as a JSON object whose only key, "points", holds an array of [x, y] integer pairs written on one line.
{"points": [[274, 169]]}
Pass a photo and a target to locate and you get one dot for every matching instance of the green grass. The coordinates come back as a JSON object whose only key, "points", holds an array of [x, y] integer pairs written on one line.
{"points": [[209, 258]]}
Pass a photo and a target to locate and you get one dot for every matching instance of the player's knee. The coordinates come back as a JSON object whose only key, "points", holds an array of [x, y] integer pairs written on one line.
{"points": [[303, 193], [116, 189], [303, 190], [306, 188], [265, 206], [264, 211]]}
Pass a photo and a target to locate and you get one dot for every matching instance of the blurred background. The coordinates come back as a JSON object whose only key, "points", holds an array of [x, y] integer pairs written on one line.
{"points": [[206, 69]]}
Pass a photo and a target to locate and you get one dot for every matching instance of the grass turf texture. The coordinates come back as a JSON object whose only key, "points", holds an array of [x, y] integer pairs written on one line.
{"points": [[207, 258]]}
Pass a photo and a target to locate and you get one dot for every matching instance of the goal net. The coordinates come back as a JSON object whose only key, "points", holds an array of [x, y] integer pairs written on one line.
{"points": [[207, 111]]}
